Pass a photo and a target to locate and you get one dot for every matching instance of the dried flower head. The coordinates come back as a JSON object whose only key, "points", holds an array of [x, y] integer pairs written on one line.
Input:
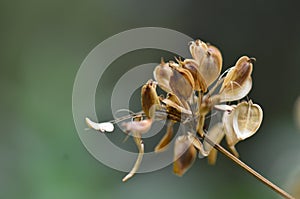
{"points": [[193, 88]]}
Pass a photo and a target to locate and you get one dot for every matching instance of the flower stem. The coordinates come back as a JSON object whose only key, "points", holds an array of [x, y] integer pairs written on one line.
{"points": [[249, 169]]}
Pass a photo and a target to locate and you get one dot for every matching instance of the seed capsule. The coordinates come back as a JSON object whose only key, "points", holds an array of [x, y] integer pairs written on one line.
{"points": [[241, 123], [181, 82], [150, 100], [237, 82], [162, 74], [209, 60], [192, 66]]}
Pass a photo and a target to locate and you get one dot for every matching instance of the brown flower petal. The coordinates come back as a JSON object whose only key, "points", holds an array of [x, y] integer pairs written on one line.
{"points": [[184, 155]]}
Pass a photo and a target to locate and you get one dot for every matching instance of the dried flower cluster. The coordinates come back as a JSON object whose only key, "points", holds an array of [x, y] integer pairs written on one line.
{"points": [[189, 100]]}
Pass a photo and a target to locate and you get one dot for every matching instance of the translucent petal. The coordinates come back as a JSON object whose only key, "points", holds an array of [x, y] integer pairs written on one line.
{"points": [[211, 65], [162, 74], [184, 155], [247, 118], [234, 93], [214, 134], [103, 127], [198, 49]]}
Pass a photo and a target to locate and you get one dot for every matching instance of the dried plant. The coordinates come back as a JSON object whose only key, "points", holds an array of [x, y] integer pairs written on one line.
{"points": [[189, 101]]}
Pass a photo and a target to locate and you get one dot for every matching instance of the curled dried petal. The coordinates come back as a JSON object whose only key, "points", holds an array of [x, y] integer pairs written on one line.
{"points": [[149, 98], [102, 127], [184, 155]]}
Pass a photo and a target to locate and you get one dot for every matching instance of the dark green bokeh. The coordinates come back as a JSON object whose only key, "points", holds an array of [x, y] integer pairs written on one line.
{"points": [[42, 46]]}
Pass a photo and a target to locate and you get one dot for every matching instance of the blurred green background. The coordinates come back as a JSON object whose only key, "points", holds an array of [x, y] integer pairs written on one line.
{"points": [[43, 44]]}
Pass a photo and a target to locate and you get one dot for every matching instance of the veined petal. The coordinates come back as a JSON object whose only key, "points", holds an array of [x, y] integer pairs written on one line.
{"points": [[237, 82], [234, 93], [102, 127], [247, 118]]}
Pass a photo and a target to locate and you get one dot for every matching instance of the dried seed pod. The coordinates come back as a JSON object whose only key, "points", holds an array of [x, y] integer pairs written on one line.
{"points": [[247, 119], [237, 83], [174, 98], [102, 127], [150, 100], [181, 82], [198, 50], [192, 66], [211, 65], [215, 134], [164, 142], [242, 123], [162, 74], [197, 144], [184, 155]]}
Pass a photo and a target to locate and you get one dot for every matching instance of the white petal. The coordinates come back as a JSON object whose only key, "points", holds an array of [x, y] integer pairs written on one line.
{"points": [[103, 127]]}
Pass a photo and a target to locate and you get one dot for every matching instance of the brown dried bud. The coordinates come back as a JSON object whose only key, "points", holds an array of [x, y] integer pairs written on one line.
{"points": [[184, 155], [149, 98]]}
